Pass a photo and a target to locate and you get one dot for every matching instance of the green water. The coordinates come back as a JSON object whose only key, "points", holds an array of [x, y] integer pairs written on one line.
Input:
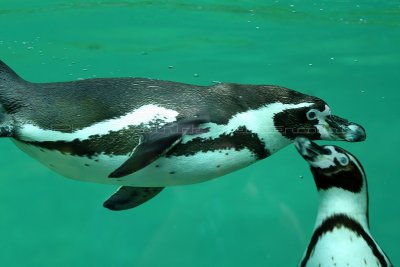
{"points": [[345, 52]]}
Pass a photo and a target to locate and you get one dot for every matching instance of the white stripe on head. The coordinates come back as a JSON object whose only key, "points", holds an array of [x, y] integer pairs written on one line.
{"points": [[143, 115], [327, 161], [355, 161], [322, 125]]}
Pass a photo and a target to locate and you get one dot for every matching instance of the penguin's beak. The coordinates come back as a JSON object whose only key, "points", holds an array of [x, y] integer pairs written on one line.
{"points": [[341, 129], [309, 150]]}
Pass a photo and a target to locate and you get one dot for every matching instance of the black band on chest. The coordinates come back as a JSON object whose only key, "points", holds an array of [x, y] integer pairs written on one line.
{"points": [[338, 221], [239, 139]]}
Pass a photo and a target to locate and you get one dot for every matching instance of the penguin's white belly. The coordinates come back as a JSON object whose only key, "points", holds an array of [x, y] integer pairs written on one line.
{"points": [[342, 248], [166, 171]]}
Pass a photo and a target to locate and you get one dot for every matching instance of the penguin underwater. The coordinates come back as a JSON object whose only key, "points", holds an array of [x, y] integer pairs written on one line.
{"points": [[341, 235], [145, 134]]}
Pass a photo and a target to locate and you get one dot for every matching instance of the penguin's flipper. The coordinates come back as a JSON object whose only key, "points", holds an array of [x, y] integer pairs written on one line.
{"points": [[128, 197], [154, 144]]}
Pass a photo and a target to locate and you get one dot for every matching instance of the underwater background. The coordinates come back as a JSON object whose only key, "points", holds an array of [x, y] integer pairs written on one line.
{"points": [[345, 52]]}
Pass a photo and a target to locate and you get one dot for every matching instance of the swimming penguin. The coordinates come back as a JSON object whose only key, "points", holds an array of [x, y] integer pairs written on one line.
{"points": [[341, 235], [146, 134]]}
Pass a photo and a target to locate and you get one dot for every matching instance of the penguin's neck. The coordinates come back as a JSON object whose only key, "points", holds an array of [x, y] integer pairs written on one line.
{"points": [[334, 201]]}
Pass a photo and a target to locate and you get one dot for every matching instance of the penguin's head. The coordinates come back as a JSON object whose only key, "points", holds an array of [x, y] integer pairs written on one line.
{"points": [[332, 166], [316, 122]]}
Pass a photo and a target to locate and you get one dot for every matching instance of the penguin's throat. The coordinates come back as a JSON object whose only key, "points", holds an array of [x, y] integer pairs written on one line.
{"points": [[336, 201]]}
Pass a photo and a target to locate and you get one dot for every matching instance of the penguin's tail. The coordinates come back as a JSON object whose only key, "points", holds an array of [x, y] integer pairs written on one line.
{"points": [[10, 83], [7, 75], [6, 131]]}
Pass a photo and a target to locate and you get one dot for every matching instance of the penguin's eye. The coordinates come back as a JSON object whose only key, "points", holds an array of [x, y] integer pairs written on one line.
{"points": [[343, 160], [311, 115], [327, 151]]}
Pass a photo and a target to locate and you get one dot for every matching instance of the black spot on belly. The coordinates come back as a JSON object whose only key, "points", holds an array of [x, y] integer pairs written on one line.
{"points": [[239, 139], [171, 172], [87, 165], [218, 166], [157, 166]]}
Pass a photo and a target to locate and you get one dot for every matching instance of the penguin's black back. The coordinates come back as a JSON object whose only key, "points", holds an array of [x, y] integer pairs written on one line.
{"points": [[83, 103], [78, 104]]}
